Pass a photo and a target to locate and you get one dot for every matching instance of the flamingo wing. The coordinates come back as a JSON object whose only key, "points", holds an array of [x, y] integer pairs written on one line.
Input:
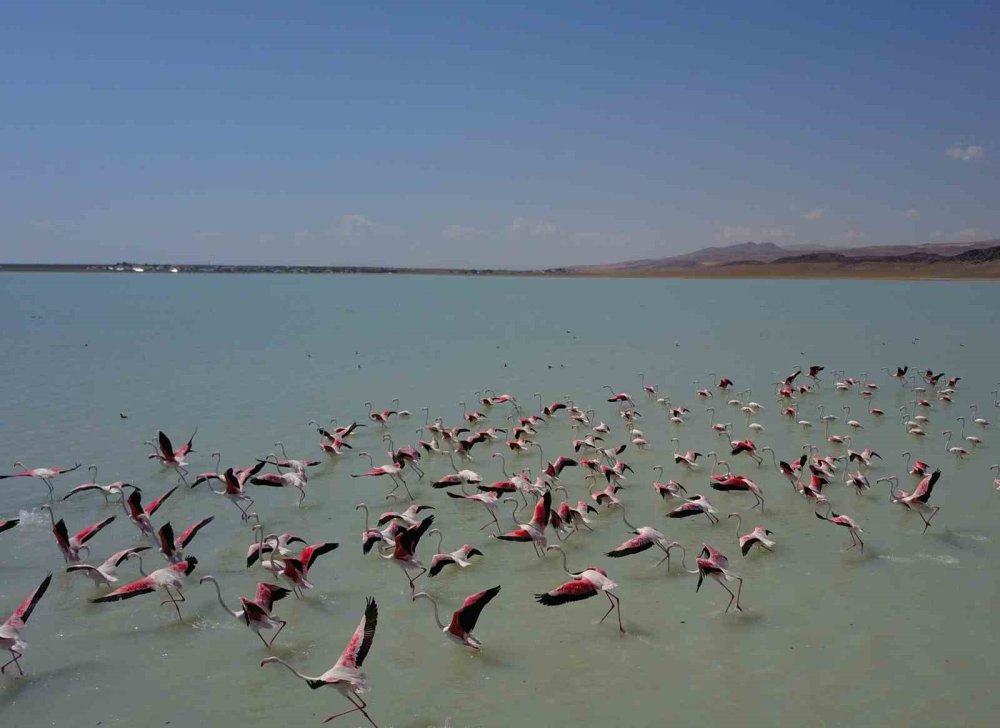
{"points": [[134, 501], [154, 506], [61, 534], [271, 479], [118, 557], [193, 529], [634, 545], [570, 591], [267, 594], [145, 585], [247, 473], [357, 647], [408, 539], [92, 530], [9, 524], [187, 446], [81, 489], [166, 447], [467, 615], [542, 510], [517, 535], [166, 538], [926, 487], [21, 614], [439, 562], [253, 612], [309, 554]]}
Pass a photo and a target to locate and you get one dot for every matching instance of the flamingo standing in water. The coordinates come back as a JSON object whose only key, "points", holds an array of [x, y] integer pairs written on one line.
{"points": [[713, 564], [346, 675], [256, 612], [71, 546], [10, 630], [43, 474], [165, 579], [585, 584], [757, 537], [464, 619]]}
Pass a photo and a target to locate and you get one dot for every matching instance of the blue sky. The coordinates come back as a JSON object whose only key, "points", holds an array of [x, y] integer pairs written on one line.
{"points": [[491, 134]]}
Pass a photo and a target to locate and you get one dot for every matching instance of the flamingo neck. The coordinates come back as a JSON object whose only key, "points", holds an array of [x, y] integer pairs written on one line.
{"points": [[437, 617]]}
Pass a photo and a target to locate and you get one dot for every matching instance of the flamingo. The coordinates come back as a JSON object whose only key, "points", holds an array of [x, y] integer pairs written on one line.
{"points": [[71, 546], [291, 479], [996, 482], [10, 630], [346, 675], [165, 579], [163, 450], [713, 564], [852, 423], [970, 438], [693, 506], [959, 452], [847, 522], [748, 447], [917, 500], [442, 559], [256, 612], [107, 572], [489, 501], [534, 531], [44, 474], [461, 477], [743, 484], [372, 536], [173, 549], [393, 470], [140, 516], [758, 536], [408, 517], [116, 488], [464, 619], [404, 553], [235, 491], [645, 537], [298, 466], [380, 417], [981, 421], [590, 582], [670, 489]]}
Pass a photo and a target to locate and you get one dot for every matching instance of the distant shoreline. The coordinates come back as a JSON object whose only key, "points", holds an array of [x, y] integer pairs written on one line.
{"points": [[943, 271]]}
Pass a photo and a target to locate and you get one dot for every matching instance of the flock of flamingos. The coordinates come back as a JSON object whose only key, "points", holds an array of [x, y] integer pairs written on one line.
{"points": [[593, 447]]}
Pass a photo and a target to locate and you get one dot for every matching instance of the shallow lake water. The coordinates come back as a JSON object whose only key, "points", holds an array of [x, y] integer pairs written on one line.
{"points": [[902, 634]]}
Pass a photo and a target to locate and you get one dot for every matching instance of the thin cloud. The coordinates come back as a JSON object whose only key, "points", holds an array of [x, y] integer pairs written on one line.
{"points": [[462, 233], [816, 213], [972, 233], [970, 153], [744, 233], [911, 213]]}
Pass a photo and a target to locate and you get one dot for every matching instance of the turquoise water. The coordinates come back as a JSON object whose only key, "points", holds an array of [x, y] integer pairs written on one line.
{"points": [[902, 634]]}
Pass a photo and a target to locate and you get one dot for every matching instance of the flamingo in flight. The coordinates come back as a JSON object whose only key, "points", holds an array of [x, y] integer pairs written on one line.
{"points": [[743, 484], [163, 450], [256, 612], [464, 619], [291, 479], [645, 538], [140, 516], [346, 675], [44, 474], [713, 564], [444, 558], [847, 522], [404, 553], [165, 579], [585, 584], [71, 546], [695, 505], [173, 549], [116, 488], [757, 537], [107, 572], [10, 630]]}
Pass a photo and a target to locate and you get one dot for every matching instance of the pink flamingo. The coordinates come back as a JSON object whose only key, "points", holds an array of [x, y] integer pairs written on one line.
{"points": [[713, 564], [10, 630], [173, 549], [372, 536], [393, 470], [444, 558], [256, 612], [44, 474], [757, 537], [464, 619], [140, 516], [71, 546], [847, 522], [346, 675], [488, 500], [645, 537], [165, 453], [165, 579], [585, 584], [917, 500], [235, 491], [404, 553], [532, 532], [695, 505], [107, 572], [742, 484]]}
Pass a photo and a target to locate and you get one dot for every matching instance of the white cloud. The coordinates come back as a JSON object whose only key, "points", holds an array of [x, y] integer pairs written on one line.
{"points": [[816, 213], [462, 233], [528, 228], [744, 233], [972, 233], [911, 213], [853, 236], [971, 153]]}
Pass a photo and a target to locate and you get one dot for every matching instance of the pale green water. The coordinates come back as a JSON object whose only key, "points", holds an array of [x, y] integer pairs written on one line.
{"points": [[903, 635]]}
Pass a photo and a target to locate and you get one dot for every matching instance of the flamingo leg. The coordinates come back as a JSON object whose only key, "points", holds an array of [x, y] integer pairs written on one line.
{"points": [[14, 657], [173, 601], [283, 623], [362, 707], [732, 597], [927, 521], [355, 709]]}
